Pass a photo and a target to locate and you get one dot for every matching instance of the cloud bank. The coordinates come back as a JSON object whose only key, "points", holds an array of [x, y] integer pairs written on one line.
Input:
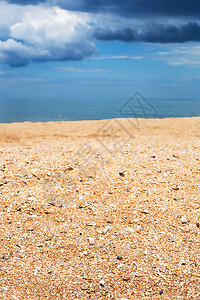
{"points": [[60, 30], [135, 8], [154, 32]]}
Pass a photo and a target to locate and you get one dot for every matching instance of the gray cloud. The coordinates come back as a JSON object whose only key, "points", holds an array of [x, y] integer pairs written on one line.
{"points": [[128, 8], [136, 8], [154, 32], [26, 2], [106, 34], [18, 54]]}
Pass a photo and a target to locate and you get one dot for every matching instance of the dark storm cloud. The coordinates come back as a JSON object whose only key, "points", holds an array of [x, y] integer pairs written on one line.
{"points": [[159, 33], [26, 2], [128, 8], [125, 34], [136, 8], [153, 32]]}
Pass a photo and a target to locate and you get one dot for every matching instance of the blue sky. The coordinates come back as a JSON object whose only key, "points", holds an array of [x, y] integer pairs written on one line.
{"points": [[99, 49]]}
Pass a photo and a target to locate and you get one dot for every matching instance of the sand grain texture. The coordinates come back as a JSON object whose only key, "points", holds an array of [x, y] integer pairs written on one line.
{"points": [[100, 210]]}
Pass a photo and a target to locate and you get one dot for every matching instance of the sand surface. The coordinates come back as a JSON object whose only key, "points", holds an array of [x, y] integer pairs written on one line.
{"points": [[100, 209]]}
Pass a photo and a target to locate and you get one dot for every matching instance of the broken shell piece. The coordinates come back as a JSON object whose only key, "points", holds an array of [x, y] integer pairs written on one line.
{"points": [[91, 241]]}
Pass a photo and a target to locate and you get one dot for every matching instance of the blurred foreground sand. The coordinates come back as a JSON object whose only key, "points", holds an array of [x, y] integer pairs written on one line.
{"points": [[104, 209]]}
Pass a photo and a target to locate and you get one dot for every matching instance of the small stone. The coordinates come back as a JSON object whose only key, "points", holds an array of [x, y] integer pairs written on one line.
{"points": [[102, 283], [33, 217], [105, 230], [175, 187], [69, 169], [85, 253], [183, 220], [121, 174], [161, 291], [126, 278], [145, 211], [30, 229], [119, 257], [91, 224], [198, 225], [130, 229], [91, 241], [32, 199], [49, 173], [120, 266]]}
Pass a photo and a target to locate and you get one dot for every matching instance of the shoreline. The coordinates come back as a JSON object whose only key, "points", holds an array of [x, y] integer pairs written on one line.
{"points": [[176, 127], [89, 120]]}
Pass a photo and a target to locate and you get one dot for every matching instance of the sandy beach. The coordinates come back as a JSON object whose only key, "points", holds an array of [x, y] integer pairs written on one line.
{"points": [[104, 209]]}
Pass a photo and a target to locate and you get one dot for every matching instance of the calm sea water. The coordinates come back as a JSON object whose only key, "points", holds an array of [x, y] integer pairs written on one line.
{"points": [[43, 110]]}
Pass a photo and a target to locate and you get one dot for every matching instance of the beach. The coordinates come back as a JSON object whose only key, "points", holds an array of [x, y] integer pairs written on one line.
{"points": [[106, 209]]}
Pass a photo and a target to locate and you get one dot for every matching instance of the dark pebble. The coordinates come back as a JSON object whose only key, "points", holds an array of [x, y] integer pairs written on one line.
{"points": [[119, 258], [122, 174], [161, 292]]}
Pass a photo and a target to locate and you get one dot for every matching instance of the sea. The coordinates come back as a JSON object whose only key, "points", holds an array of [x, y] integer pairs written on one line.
{"points": [[73, 109]]}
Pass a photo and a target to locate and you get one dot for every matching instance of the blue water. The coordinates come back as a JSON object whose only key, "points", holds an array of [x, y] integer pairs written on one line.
{"points": [[43, 110]]}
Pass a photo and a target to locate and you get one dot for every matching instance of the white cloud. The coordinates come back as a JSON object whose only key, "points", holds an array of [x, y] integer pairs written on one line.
{"points": [[77, 70], [41, 33], [187, 55], [120, 57]]}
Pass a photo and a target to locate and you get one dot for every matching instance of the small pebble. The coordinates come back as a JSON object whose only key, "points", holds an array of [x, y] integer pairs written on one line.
{"points": [[91, 241], [102, 283], [183, 220], [161, 291], [131, 230], [145, 211], [105, 230], [32, 199], [126, 278], [33, 217], [175, 187], [119, 257], [121, 174]]}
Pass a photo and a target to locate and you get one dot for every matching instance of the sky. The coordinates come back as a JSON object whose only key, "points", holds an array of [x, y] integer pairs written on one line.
{"points": [[100, 48]]}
